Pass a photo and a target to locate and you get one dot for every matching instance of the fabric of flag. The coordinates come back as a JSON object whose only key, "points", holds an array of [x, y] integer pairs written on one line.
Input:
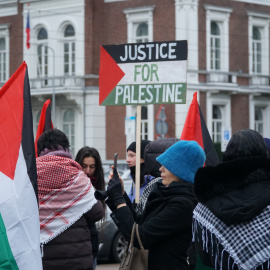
{"points": [[196, 129], [27, 30], [45, 120], [19, 213]]}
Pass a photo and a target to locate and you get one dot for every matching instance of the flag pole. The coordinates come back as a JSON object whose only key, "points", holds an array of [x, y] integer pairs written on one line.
{"points": [[138, 153]]}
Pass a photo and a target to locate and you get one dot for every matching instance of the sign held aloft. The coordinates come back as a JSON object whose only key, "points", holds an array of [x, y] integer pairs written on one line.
{"points": [[143, 73]]}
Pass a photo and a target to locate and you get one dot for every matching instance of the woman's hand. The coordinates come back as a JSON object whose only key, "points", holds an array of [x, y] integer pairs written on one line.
{"points": [[122, 182], [114, 189]]}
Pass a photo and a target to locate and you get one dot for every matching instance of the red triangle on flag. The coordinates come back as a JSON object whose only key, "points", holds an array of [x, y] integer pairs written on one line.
{"points": [[109, 74], [11, 121], [192, 129]]}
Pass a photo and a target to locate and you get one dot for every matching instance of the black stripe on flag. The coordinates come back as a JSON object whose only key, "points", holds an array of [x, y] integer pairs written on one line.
{"points": [[48, 119], [118, 52], [209, 149], [27, 135]]}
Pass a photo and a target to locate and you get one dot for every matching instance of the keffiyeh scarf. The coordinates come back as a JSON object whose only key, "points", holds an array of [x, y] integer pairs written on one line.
{"points": [[248, 243], [65, 193]]}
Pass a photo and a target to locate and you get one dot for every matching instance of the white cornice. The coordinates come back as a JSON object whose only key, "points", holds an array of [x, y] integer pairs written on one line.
{"points": [[218, 8], [138, 9], [258, 2], [258, 14]]}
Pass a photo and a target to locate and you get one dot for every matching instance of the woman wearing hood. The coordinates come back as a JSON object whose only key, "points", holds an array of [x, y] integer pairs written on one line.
{"points": [[131, 161], [231, 222]]}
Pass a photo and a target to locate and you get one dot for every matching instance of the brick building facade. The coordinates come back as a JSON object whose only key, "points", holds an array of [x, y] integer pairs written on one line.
{"points": [[228, 62]]}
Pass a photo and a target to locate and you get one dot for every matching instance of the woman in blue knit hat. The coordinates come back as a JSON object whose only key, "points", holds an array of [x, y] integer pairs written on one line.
{"points": [[165, 227]]}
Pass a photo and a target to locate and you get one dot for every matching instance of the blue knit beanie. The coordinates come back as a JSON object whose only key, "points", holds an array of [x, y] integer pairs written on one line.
{"points": [[183, 159]]}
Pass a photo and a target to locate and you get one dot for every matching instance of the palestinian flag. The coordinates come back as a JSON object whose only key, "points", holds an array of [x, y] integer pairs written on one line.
{"points": [[45, 120], [195, 129], [19, 214]]}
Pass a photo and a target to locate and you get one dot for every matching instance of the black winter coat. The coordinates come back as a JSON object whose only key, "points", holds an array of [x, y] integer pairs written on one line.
{"points": [[235, 192], [165, 227], [72, 249]]}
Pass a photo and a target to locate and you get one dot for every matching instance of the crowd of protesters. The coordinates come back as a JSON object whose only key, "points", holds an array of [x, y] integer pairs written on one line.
{"points": [[189, 216]]}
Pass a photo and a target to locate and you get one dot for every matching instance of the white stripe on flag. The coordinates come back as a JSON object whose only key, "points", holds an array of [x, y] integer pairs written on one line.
{"points": [[19, 210], [166, 72]]}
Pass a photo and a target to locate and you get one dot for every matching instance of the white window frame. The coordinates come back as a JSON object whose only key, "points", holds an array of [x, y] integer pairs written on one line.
{"points": [[70, 123], [70, 41], [258, 122], [134, 17], [36, 121], [260, 21], [255, 45], [263, 103], [44, 54], [221, 16], [215, 133], [4, 33], [224, 102], [213, 39]]}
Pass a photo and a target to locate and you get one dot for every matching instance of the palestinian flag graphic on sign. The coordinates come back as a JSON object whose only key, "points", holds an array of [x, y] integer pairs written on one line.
{"points": [[143, 73], [19, 216]]}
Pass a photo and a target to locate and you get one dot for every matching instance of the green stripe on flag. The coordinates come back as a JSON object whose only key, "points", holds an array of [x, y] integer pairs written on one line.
{"points": [[7, 261], [143, 94]]}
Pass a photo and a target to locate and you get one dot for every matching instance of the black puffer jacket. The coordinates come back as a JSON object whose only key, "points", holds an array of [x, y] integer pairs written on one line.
{"points": [[237, 193], [72, 249], [165, 226]]}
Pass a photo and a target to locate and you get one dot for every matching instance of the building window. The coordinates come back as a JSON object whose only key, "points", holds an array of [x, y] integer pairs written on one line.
{"points": [[215, 46], [217, 37], [216, 124], [256, 51], [4, 53], [3, 60], [144, 123], [69, 50], [36, 121], [139, 24], [258, 124], [259, 46], [141, 32], [42, 52], [69, 127]]}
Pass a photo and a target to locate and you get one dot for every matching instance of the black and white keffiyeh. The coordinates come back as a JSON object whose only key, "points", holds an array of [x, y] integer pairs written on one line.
{"points": [[143, 199], [248, 243]]}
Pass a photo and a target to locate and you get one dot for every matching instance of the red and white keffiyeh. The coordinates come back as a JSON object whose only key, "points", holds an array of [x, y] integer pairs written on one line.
{"points": [[65, 194]]}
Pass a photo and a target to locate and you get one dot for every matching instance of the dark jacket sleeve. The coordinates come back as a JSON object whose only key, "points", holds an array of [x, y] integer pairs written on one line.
{"points": [[158, 228], [95, 213]]}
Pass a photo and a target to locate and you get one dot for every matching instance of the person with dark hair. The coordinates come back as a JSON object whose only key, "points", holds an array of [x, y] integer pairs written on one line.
{"points": [[131, 161], [165, 227], [90, 161], [231, 222], [66, 205]]}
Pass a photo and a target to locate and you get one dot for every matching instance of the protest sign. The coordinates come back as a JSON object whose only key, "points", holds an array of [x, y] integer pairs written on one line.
{"points": [[143, 73]]}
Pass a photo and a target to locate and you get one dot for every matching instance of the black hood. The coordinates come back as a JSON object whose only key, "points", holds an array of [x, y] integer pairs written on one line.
{"points": [[235, 191]]}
